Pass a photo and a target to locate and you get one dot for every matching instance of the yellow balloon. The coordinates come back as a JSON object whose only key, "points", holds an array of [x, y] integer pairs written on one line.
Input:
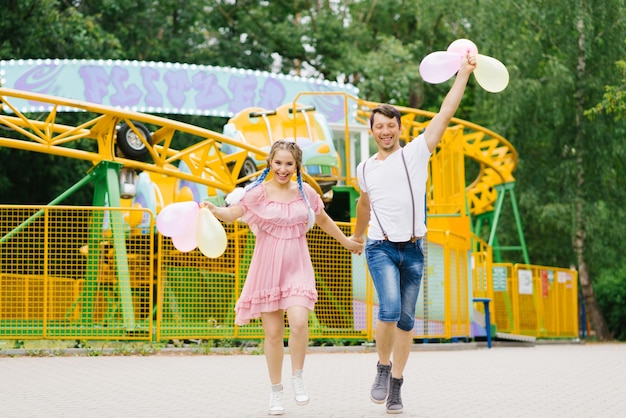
{"points": [[491, 74], [210, 234]]}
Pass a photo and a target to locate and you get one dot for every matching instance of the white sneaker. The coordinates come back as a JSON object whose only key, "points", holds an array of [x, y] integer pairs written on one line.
{"points": [[276, 400], [299, 390]]}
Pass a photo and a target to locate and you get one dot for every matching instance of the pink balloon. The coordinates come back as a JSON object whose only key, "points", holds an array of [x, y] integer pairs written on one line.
{"points": [[439, 66], [185, 241], [176, 217], [463, 47]]}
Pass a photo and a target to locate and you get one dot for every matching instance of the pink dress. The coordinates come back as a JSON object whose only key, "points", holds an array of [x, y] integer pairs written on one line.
{"points": [[281, 273]]}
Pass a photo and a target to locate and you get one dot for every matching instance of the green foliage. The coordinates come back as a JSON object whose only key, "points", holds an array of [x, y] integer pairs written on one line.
{"points": [[390, 79], [557, 69], [168, 30], [614, 98], [610, 288], [33, 178], [48, 29]]}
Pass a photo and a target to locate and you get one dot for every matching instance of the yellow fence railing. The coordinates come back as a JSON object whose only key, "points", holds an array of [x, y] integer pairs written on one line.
{"points": [[536, 300], [71, 272], [83, 273]]}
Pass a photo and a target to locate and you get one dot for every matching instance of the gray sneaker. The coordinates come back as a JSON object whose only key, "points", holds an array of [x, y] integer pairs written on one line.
{"points": [[394, 400], [380, 387]]}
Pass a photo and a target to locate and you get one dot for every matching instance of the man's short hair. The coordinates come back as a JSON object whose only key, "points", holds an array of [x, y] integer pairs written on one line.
{"points": [[386, 110]]}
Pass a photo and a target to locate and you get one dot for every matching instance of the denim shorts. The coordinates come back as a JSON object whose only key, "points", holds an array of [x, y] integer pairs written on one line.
{"points": [[396, 269]]}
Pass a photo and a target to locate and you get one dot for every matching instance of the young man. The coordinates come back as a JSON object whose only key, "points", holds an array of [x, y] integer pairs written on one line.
{"points": [[393, 183]]}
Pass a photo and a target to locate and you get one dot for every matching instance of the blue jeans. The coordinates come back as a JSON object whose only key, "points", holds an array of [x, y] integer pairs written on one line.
{"points": [[396, 269]]}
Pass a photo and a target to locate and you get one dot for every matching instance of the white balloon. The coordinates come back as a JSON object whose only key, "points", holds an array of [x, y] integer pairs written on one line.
{"points": [[210, 234], [491, 74]]}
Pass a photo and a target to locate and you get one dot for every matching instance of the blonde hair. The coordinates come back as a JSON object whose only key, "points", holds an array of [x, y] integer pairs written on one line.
{"points": [[296, 151]]}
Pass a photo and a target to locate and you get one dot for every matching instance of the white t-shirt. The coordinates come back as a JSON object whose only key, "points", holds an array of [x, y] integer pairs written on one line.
{"points": [[387, 186]]}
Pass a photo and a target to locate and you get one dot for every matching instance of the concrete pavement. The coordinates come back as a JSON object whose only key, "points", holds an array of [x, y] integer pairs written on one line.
{"points": [[460, 380]]}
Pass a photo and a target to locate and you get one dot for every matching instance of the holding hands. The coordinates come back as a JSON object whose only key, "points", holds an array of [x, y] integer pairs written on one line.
{"points": [[359, 241], [354, 246]]}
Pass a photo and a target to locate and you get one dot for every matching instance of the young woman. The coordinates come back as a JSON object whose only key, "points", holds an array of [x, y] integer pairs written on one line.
{"points": [[281, 277]]}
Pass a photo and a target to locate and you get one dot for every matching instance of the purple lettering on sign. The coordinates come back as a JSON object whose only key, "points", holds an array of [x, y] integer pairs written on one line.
{"points": [[243, 90], [41, 79], [149, 76], [170, 87], [177, 84], [124, 96], [95, 80], [210, 94], [331, 106], [272, 94]]}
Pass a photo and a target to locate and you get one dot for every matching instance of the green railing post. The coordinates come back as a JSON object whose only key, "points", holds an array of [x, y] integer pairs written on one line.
{"points": [[493, 218], [107, 192], [117, 226]]}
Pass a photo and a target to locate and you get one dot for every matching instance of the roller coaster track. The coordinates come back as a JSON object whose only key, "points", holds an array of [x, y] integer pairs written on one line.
{"points": [[95, 140]]}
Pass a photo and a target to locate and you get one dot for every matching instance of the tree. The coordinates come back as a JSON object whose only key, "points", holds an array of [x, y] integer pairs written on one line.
{"points": [[614, 99], [166, 30], [46, 29], [559, 57]]}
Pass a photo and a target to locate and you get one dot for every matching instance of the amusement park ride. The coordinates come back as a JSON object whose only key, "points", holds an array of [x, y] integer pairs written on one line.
{"points": [[139, 164]]}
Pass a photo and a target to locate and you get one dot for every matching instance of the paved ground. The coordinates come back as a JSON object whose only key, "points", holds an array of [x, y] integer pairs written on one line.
{"points": [[564, 380]]}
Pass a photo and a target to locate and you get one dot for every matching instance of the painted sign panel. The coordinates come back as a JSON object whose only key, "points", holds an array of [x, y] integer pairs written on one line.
{"points": [[499, 275], [525, 285], [170, 88]]}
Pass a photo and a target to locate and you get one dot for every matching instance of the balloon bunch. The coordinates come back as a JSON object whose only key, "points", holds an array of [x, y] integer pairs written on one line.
{"points": [[440, 66], [191, 226]]}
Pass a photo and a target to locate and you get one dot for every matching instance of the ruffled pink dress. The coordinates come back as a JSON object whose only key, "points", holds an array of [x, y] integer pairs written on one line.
{"points": [[281, 273]]}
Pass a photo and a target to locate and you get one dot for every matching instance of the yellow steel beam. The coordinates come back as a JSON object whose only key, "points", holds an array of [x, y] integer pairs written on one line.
{"points": [[208, 165]]}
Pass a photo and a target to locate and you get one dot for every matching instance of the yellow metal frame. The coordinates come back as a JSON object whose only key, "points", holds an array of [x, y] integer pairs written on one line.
{"points": [[207, 164]]}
